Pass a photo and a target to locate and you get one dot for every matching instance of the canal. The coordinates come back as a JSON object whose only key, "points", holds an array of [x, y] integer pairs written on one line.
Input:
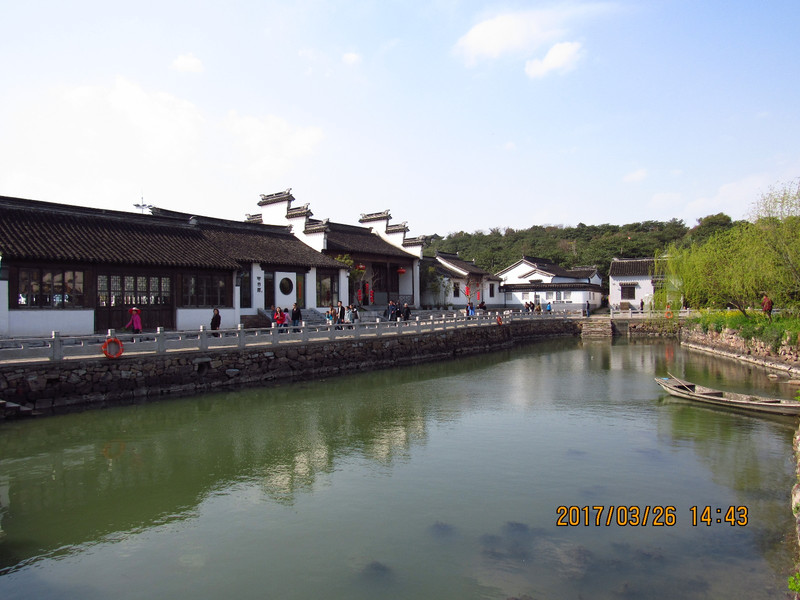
{"points": [[435, 481]]}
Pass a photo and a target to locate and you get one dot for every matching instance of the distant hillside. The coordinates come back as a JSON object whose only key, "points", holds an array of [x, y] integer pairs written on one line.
{"points": [[583, 245]]}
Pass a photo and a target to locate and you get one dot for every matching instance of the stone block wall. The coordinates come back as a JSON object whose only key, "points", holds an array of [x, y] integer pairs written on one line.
{"points": [[728, 343], [52, 387]]}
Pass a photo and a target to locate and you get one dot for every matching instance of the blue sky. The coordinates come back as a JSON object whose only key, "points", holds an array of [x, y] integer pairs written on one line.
{"points": [[455, 115]]}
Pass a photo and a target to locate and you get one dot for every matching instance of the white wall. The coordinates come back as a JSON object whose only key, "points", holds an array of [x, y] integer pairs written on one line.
{"points": [[3, 307], [311, 288], [344, 288], [281, 299], [274, 213], [644, 290], [192, 318], [42, 322]]}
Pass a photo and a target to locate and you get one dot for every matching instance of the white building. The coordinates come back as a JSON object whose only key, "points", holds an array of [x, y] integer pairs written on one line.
{"points": [[385, 260], [535, 281], [456, 282], [631, 283]]}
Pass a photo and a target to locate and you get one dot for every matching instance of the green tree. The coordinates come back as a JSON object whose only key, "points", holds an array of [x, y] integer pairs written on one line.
{"points": [[709, 226], [727, 271], [776, 215]]}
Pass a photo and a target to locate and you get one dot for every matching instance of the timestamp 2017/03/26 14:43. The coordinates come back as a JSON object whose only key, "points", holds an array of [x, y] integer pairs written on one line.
{"points": [[652, 515]]}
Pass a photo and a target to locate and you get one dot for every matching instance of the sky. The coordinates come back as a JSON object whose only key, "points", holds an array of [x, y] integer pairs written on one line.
{"points": [[456, 115]]}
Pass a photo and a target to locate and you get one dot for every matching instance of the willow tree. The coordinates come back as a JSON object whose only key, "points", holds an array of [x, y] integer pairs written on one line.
{"points": [[728, 270], [776, 215]]}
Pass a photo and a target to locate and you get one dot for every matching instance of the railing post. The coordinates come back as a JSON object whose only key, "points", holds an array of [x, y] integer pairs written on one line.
{"points": [[304, 332], [240, 336], [161, 341], [203, 341], [57, 347]]}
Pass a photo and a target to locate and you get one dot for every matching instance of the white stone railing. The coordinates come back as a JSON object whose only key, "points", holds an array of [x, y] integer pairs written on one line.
{"points": [[58, 347], [647, 313]]}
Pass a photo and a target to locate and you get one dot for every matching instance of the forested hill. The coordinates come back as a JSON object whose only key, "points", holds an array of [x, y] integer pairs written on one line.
{"points": [[583, 245]]}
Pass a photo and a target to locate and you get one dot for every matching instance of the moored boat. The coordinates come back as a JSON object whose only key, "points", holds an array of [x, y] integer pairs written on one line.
{"points": [[691, 391]]}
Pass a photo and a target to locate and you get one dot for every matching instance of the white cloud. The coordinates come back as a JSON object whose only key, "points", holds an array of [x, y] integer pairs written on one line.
{"points": [[509, 146], [521, 32], [664, 200], [735, 199], [634, 176], [351, 58], [188, 63], [562, 57], [104, 146], [268, 145]]}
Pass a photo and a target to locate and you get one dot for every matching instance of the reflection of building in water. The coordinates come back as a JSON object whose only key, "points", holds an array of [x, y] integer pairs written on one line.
{"points": [[281, 482], [134, 469], [3, 502], [395, 440]]}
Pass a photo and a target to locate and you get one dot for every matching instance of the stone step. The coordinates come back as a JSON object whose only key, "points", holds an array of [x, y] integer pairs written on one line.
{"points": [[596, 328]]}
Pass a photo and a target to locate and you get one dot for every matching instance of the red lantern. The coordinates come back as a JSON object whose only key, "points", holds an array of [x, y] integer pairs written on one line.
{"points": [[358, 295], [371, 297], [466, 289], [361, 267], [366, 285], [479, 295], [401, 271]]}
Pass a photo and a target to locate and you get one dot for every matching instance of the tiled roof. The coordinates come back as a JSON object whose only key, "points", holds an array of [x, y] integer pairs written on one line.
{"points": [[276, 197], [43, 231], [248, 243], [531, 287], [440, 268], [379, 216], [32, 230], [353, 239], [416, 241], [632, 267], [464, 265]]}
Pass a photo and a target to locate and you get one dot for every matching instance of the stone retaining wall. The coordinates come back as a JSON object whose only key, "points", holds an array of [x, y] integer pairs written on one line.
{"points": [[728, 343], [52, 387]]}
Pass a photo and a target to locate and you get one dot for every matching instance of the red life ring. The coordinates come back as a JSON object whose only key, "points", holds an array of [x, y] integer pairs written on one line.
{"points": [[499, 320], [110, 354], [113, 449]]}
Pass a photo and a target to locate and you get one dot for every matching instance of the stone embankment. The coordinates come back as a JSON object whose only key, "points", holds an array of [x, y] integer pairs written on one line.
{"points": [[786, 358], [46, 387]]}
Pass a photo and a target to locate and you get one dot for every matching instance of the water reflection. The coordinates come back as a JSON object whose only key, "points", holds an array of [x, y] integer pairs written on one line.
{"points": [[452, 469]]}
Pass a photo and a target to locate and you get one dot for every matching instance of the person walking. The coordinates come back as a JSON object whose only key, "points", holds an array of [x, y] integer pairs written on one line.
{"points": [[136, 320], [297, 316], [766, 307], [216, 320], [406, 312]]}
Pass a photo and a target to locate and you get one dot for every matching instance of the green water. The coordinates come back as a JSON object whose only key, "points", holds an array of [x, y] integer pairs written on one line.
{"points": [[436, 481]]}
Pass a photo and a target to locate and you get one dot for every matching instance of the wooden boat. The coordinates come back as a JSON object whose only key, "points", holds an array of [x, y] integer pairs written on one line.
{"points": [[690, 391]]}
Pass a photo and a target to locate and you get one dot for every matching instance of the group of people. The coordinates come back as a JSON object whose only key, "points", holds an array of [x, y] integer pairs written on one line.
{"points": [[394, 312], [536, 308], [341, 314], [282, 317]]}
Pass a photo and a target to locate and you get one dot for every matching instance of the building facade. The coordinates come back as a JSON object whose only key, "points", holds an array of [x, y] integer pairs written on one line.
{"points": [[80, 270], [453, 281], [631, 283], [533, 280], [384, 260]]}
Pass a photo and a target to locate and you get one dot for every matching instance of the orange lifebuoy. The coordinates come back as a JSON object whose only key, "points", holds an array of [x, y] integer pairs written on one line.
{"points": [[113, 449], [668, 314], [110, 354], [499, 320]]}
